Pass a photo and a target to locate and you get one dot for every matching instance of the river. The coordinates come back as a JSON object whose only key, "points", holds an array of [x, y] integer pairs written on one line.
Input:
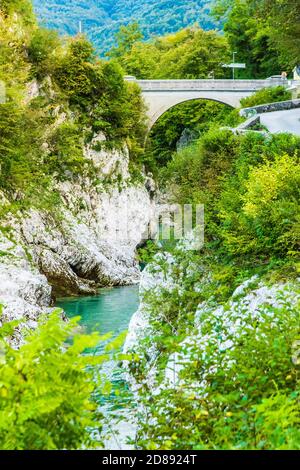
{"points": [[110, 311]]}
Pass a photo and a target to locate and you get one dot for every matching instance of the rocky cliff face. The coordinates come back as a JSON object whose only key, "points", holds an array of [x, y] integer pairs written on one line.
{"points": [[91, 244]]}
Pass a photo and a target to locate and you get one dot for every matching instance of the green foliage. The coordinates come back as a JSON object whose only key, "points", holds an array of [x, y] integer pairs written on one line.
{"points": [[36, 151], [41, 51], [250, 38], [271, 204], [47, 387], [265, 34], [250, 188], [78, 75], [120, 113], [267, 95], [147, 253], [65, 159], [262, 182], [13, 65], [197, 171], [126, 37], [225, 376], [20, 156], [190, 53], [283, 20], [21, 7], [106, 103], [29, 172], [102, 19], [182, 125]]}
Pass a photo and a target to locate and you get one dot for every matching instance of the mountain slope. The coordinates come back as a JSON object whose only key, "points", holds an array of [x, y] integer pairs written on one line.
{"points": [[101, 19]]}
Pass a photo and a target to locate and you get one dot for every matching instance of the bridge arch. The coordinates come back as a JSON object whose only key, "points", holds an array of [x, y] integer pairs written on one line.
{"points": [[155, 112], [162, 95]]}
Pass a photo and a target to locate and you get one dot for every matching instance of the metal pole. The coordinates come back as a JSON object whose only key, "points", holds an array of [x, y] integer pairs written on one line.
{"points": [[233, 62], [80, 27]]}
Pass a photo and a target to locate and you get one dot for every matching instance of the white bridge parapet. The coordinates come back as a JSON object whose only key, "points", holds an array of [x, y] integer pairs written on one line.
{"points": [[162, 95], [200, 85]]}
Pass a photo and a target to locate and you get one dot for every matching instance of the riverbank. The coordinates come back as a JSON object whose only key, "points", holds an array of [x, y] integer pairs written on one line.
{"points": [[206, 365]]}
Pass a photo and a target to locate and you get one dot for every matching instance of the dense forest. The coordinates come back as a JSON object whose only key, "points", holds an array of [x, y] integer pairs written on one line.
{"points": [[101, 19]]}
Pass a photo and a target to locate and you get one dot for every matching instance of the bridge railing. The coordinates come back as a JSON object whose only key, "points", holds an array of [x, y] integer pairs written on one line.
{"points": [[208, 85]]}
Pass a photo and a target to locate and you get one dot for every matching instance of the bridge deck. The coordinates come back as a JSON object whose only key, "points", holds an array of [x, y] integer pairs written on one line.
{"points": [[207, 85]]}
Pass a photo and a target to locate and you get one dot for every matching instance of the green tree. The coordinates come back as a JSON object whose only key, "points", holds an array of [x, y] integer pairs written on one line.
{"points": [[180, 126], [126, 37], [250, 38], [265, 33], [22, 7], [41, 51], [76, 73], [283, 19], [189, 53], [141, 61]]}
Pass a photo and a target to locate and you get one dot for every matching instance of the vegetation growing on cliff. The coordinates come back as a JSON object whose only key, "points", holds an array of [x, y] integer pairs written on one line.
{"points": [[223, 330], [58, 95], [223, 376], [223, 364]]}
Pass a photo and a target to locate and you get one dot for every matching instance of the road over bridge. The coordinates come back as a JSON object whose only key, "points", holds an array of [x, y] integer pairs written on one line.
{"points": [[162, 95]]}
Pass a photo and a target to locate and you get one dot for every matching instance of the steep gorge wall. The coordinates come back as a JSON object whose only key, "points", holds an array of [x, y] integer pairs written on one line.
{"points": [[90, 244]]}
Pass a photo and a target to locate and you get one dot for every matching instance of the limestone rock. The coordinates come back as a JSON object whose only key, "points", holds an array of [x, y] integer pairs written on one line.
{"points": [[89, 243], [24, 293]]}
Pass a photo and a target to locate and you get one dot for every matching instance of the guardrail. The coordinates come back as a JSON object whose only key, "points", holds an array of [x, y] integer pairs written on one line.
{"points": [[269, 107]]}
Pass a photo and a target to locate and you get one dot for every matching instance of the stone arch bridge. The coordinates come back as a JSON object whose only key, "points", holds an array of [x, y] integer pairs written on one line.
{"points": [[162, 95]]}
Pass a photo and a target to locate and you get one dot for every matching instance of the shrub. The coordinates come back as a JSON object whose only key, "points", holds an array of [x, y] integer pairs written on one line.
{"points": [[23, 7], [198, 170], [46, 389], [267, 95], [245, 215], [106, 103], [77, 75], [271, 204]]}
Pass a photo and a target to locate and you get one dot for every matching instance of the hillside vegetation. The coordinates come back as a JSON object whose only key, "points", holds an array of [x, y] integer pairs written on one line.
{"points": [[264, 33], [101, 19], [189, 53]]}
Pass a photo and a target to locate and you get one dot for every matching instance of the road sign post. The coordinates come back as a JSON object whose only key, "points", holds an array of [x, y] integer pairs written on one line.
{"points": [[234, 65]]}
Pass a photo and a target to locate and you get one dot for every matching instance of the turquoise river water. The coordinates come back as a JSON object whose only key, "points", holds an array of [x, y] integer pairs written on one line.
{"points": [[109, 312]]}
